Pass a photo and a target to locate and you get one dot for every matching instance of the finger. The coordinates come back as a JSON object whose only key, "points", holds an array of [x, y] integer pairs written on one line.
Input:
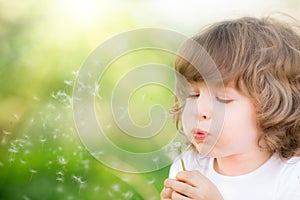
{"points": [[193, 178], [166, 193], [181, 187], [178, 196]]}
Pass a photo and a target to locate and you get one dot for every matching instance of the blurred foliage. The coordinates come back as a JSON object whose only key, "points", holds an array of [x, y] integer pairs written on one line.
{"points": [[42, 46]]}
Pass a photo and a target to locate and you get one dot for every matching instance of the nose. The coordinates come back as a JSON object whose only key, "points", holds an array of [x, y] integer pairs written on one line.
{"points": [[204, 108]]}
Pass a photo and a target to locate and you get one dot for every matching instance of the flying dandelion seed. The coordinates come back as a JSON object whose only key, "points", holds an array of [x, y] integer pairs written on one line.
{"points": [[151, 181], [43, 140], [1, 164], [23, 162], [128, 195], [115, 188], [60, 189], [25, 197], [125, 179], [62, 161], [81, 183], [97, 188], [75, 73], [35, 98], [60, 179], [32, 172], [58, 117], [155, 160], [86, 164], [6, 132], [13, 150], [68, 82], [15, 115], [11, 160]]}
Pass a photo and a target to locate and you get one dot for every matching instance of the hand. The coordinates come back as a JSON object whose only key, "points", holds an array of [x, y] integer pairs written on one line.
{"points": [[190, 185], [166, 194]]}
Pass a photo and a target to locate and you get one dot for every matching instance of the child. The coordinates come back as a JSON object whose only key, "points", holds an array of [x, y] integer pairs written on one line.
{"points": [[256, 151]]}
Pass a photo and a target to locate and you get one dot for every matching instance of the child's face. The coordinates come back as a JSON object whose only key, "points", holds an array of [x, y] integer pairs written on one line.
{"points": [[238, 131]]}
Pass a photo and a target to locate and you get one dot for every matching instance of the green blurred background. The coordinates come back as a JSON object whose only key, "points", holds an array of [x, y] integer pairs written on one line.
{"points": [[42, 46]]}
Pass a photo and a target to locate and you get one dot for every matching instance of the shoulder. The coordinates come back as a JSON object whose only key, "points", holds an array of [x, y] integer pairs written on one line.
{"points": [[289, 179], [192, 161]]}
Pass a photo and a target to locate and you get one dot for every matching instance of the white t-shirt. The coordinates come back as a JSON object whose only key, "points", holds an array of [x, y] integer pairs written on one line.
{"points": [[274, 180]]}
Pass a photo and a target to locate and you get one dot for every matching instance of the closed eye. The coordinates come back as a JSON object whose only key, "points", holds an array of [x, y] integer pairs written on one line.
{"points": [[193, 95], [223, 100]]}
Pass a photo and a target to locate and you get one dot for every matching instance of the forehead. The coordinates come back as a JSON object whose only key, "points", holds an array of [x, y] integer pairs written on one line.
{"points": [[219, 87]]}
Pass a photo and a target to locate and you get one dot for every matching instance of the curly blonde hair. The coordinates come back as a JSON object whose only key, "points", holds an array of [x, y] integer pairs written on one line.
{"points": [[262, 58]]}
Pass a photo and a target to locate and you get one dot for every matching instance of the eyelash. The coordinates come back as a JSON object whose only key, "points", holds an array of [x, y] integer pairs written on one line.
{"points": [[218, 98]]}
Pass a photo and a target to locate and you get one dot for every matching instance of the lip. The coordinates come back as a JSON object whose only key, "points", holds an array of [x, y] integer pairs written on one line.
{"points": [[199, 134]]}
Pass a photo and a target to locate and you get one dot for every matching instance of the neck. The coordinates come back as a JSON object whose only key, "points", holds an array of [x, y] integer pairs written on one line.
{"points": [[240, 164]]}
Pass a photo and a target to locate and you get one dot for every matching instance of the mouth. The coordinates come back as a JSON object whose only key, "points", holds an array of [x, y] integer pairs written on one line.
{"points": [[199, 134]]}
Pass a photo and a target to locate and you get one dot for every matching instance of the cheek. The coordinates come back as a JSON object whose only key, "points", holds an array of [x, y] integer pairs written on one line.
{"points": [[240, 124], [188, 119]]}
